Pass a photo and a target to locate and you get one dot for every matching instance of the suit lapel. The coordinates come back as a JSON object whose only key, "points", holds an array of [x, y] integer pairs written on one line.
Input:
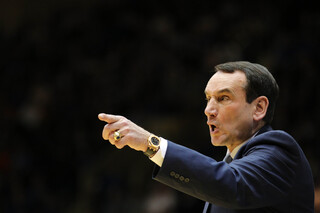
{"points": [[264, 129]]}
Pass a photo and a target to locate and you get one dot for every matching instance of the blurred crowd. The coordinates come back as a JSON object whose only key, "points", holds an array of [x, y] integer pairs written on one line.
{"points": [[63, 62]]}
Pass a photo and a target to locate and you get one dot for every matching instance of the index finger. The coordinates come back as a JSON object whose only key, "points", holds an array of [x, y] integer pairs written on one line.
{"points": [[108, 118]]}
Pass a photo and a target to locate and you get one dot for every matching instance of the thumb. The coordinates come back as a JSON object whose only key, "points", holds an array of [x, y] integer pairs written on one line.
{"points": [[108, 118]]}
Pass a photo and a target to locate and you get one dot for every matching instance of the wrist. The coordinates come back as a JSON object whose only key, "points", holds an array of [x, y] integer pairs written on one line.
{"points": [[153, 145]]}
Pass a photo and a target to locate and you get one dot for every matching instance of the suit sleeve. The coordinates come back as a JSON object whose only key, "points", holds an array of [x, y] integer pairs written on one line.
{"points": [[263, 174]]}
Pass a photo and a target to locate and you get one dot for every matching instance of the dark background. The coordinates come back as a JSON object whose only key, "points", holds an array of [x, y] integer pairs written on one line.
{"points": [[65, 61]]}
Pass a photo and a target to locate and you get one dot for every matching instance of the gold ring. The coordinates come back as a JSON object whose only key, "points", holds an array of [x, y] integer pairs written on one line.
{"points": [[116, 135]]}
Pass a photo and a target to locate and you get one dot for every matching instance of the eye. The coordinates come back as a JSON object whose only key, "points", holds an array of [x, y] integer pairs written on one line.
{"points": [[208, 98], [224, 98]]}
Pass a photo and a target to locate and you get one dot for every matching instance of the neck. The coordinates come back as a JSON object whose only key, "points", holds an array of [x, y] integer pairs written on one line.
{"points": [[254, 130], [257, 127]]}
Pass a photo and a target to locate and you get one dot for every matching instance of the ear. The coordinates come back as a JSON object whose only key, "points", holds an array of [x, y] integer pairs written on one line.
{"points": [[260, 105]]}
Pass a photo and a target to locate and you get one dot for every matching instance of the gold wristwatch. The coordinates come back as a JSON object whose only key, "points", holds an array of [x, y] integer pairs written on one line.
{"points": [[153, 145]]}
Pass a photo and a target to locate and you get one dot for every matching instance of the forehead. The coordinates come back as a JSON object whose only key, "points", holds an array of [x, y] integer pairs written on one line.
{"points": [[226, 81]]}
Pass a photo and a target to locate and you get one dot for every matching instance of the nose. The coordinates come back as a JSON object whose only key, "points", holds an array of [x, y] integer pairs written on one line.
{"points": [[211, 109]]}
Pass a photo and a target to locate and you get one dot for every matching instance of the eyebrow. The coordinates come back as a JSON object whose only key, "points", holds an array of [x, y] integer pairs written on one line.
{"points": [[226, 90]]}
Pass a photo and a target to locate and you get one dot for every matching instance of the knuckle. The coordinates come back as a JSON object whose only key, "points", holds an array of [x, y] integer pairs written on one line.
{"points": [[125, 131], [129, 137], [121, 118], [119, 145], [104, 135], [125, 123]]}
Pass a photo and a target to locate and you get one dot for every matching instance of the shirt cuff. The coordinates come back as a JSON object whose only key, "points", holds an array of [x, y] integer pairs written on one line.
{"points": [[159, 156]]}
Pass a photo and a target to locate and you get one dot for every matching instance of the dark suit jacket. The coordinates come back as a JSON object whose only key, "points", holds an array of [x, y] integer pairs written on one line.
{"points": [[270, 173]]}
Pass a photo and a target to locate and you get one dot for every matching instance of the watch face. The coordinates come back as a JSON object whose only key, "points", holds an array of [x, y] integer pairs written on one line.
{"points": [[155, 141]]}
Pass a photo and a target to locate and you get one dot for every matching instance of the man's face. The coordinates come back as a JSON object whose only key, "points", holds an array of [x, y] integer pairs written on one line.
{"points": [[229, 116]]}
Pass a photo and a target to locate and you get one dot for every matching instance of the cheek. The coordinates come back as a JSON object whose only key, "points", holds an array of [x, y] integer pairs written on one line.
{"points": [[235, 116], [230, 113]]}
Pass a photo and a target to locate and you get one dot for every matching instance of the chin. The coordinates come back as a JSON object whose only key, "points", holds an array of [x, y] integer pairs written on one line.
{"points": [[217, 143]]}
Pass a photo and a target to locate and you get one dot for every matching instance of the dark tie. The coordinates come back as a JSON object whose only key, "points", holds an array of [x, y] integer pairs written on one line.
{"points": [[228, 159], [207, 206]]}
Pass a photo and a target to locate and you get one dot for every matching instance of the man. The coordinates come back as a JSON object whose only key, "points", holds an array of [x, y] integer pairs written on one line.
{"points": [[264, 170]]}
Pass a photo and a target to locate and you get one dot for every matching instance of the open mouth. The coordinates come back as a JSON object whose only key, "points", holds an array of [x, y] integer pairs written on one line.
{"points": [[213, 127]]}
